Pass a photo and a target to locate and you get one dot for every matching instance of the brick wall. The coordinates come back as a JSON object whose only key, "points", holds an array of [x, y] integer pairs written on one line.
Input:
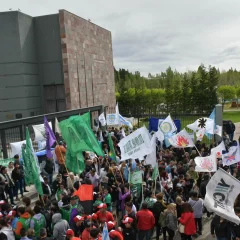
{"points": [[87, 62]]}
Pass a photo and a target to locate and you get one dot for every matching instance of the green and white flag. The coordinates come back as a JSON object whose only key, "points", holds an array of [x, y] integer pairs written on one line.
{"points": [[136, 178], [155, 173], [31, 168]]}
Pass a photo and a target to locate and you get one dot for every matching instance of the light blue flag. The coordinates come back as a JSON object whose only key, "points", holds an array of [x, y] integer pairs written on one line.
{"points": [[166, 137], [125, 122], [212, 116], [105, 235]]}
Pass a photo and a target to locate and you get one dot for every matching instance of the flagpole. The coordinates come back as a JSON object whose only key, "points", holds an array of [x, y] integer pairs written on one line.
{"points": [[197, 150]]}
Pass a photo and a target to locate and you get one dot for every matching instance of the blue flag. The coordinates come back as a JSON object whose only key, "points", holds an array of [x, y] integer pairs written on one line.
{"points": [[105, 235], [212, 116]]}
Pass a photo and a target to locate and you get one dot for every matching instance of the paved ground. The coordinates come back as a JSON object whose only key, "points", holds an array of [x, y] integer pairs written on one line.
{"points": [[237, 131]]}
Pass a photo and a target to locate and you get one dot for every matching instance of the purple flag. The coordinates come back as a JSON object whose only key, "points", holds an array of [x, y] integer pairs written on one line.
{"points": [[50, 138]]}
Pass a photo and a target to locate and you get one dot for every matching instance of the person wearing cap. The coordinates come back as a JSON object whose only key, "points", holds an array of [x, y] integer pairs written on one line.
{"points": [[146, 222], [103, 214], [114, 234], [70, 235], [129, 233], [78, 227], [86, 232], [23, 221], [12, 218], [38, 221]]}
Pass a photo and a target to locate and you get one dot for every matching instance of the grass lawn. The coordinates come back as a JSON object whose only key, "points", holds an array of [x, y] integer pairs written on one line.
{"points": [[232, 115]]}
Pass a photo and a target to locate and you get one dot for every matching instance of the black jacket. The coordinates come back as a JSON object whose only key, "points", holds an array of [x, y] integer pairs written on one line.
{"points": [[221, 230], [235, 229], [202, 188], [129, 234], [17, 174]]}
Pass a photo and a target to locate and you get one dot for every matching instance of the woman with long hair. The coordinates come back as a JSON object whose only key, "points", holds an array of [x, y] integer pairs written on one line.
{"points": [[187, 219]]}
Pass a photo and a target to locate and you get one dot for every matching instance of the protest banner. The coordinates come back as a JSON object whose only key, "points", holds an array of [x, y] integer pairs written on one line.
{"points": [[135, 145], [206, 164], [221, 192], [232, 156], [181, 140]]}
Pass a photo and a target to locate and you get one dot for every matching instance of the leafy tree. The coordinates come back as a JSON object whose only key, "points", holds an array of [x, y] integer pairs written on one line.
{"points": [[226, 93]]}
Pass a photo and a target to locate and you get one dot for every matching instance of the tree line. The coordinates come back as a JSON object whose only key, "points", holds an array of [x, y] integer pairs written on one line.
{"points": [[171, 91]]}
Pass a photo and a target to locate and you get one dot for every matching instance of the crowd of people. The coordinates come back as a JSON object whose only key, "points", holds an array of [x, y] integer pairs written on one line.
{"points": [[171, 207]]}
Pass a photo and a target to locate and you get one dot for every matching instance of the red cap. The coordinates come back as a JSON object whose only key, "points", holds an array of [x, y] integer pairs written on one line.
{"points": [[102, 205], [94, 217], [127, 220], [110, 225], [11, 213], [70, 232], [78, 219]]}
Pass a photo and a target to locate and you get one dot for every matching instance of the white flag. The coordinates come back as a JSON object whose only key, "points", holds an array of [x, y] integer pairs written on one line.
{"points": [[16, 148], [159, 135], [117, 115], [203, 122], [218, 150], [57, 128], [135, 145], [123, 133], [102, 119], [232, 156], [206, 164], [181, 140], [221, 192], [151, 158], [39, 131], [218, 130], [200, 134], [167, 125]]}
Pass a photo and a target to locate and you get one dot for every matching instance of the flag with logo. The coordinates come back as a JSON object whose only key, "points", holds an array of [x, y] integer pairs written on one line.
{"points": [[221, 192], [135, 145], [102, 119], [112, 152], [167, 125], [218, 150], [206, 164], [136, 178], [232, 156], [181, 140], [50, 138], [31, 169], [200, 134], [203, 122], [152, 157]]}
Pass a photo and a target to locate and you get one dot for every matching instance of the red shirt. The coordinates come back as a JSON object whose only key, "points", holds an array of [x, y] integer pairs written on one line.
{"points": [[85, 234], [146, 220], [105, 217], [187, 219]]}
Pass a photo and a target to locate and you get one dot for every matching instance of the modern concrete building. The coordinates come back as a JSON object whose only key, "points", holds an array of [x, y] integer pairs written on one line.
{"points": [[53, 63]]}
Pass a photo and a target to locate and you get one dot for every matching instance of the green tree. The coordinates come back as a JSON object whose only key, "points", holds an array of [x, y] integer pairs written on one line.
{"points": [[226, 93]]}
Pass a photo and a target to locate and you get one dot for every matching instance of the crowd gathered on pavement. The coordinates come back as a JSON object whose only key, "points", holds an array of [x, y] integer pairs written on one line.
{"points": [[170, 207]]}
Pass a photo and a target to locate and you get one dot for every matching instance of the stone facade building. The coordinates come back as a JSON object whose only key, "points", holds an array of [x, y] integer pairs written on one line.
{"points": [[53, 63]]}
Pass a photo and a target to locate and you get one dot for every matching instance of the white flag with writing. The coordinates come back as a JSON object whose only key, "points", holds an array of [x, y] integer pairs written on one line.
{"points": [[206, 164], [221, 192], [218, 150], [102, 119], [135, 145]]}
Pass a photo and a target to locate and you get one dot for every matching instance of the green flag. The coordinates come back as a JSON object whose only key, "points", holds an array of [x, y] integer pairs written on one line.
{"points": [[155, 173], [87, 118], [75, 163], [112, 153], [31, 166], [136, 178]]}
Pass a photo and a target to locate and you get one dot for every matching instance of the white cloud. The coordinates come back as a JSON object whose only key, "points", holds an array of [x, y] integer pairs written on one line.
{"points": [[150, 35]]}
